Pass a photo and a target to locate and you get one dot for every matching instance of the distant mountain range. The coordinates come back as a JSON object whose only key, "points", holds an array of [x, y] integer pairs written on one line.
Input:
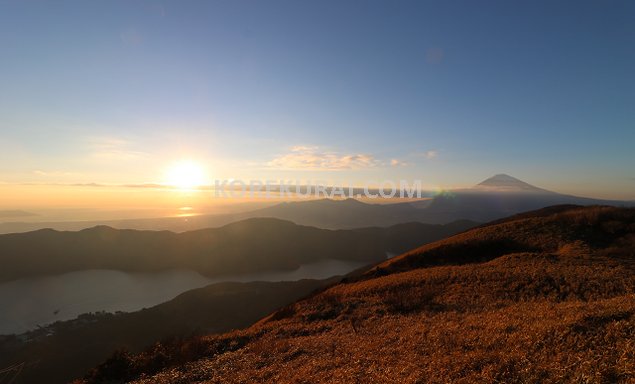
{"points": [[497, 197], [494, 198], [253, 245]]}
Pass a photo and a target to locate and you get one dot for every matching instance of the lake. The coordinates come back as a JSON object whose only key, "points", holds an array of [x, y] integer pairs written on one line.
{"points": [[27, 303]]}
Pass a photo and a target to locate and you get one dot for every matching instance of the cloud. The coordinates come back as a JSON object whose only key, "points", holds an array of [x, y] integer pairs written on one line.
{"points": [[397, 163], [102, 185], [314, 158], [16, 213], [56, 173], [108, 148], [429, 154]]}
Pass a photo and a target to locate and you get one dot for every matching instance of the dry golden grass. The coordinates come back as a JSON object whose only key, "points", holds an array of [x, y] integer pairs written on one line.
{"points": [[538, 299]]}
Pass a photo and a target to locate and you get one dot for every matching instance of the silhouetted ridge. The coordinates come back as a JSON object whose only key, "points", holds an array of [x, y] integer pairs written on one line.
{"points": [[252, 245]]}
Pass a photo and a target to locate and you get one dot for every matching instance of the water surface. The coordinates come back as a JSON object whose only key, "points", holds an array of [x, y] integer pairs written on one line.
{"points": [[27, 303]]}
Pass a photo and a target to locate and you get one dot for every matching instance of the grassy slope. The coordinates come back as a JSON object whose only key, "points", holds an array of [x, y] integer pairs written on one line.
{"points": [[549, 298]]}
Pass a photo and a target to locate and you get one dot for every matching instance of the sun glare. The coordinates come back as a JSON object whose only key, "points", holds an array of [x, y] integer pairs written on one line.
{"points": [[185, 174]]}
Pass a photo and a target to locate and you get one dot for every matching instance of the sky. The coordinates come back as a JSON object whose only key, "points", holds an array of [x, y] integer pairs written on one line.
{"points": [[447, 92]]}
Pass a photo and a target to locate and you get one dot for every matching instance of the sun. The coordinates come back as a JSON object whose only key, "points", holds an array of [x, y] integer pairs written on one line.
{"points": [[185, 174]]}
